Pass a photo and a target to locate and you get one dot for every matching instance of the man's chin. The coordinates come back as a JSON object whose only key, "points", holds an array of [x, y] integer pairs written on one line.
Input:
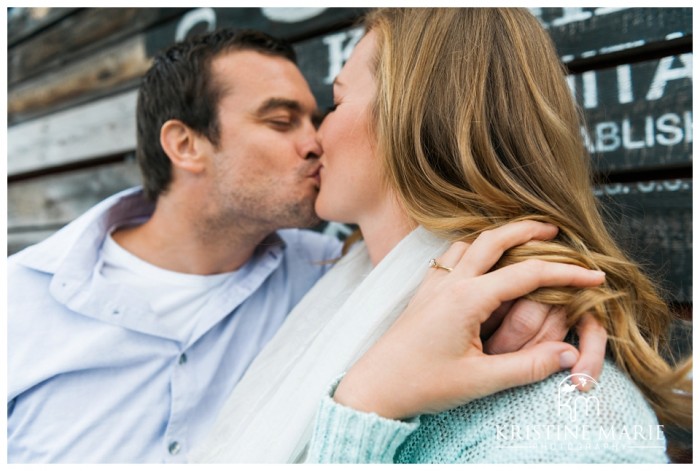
{"points": [[302, 217], [311, 222]]}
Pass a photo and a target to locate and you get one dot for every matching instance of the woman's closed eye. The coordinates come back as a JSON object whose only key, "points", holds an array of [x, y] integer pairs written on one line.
{"points": [[328, 111]]}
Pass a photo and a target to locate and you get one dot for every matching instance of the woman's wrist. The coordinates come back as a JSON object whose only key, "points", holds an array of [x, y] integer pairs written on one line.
{"points": [[367, 387], [355, 393]]}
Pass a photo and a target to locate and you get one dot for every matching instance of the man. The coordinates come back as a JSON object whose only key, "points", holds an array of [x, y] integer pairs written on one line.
{"points": [[129, 327]]}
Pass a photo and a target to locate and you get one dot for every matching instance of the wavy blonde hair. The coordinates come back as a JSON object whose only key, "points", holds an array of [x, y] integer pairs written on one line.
{"points": [[477, 127]]}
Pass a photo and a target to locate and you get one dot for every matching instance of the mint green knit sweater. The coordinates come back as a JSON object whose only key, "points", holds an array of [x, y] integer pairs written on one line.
{"points": [[547, 422]]}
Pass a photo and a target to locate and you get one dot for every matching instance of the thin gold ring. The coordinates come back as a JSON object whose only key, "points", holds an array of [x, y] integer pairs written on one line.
{"points": [[434, 264]]}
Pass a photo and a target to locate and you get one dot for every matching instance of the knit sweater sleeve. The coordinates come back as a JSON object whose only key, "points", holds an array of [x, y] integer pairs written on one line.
{"points": [[343, 435]]}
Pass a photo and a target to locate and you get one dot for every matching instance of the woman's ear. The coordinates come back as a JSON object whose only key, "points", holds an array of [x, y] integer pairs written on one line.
{"points": [[182, 145]]}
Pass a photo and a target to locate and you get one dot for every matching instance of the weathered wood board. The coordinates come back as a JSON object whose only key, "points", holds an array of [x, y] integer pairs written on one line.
{"points": [[88, 132]]}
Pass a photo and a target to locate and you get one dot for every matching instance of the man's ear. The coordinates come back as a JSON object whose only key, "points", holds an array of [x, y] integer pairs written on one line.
{"points": [[182, 145]]}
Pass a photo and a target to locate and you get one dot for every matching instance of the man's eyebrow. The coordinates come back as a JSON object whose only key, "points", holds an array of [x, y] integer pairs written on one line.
{"points": [[276, 103]]}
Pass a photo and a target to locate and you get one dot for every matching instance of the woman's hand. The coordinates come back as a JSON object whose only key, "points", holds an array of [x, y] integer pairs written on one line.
{"points": [[432, 358]]}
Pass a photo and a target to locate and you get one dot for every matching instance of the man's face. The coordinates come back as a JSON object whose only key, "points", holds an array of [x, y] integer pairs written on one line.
{"points": [[264, 173]]}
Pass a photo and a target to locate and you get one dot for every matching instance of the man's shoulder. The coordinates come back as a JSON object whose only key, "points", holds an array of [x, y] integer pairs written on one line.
{"points": [[48, 254], [311, 243], [614, 396], [304, 236], [548, 421]]}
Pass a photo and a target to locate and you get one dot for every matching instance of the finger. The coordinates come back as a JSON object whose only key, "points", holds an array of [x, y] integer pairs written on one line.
{"points": [[489, 326], [521, 324], [525, 366], [519, 279], [553, 328], [489, 246], [452, 255], [592, 343]]}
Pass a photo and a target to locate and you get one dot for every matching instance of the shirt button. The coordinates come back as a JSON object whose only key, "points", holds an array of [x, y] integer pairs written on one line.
{"points": [[183, 359], [174, 448]]}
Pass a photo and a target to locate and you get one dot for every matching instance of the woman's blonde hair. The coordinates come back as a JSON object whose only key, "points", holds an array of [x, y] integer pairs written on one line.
{"points": [[477, 127]]}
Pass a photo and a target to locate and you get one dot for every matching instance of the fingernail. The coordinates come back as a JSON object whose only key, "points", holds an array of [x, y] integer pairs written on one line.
{"points": [[584, 386], [567, 359]]}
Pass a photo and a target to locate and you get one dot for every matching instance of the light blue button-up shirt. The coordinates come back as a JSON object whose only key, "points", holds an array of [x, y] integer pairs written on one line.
{"points": [[92, 377]]}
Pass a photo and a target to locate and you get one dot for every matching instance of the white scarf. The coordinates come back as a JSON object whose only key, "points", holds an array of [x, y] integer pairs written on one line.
{"points": [[269, 416]]}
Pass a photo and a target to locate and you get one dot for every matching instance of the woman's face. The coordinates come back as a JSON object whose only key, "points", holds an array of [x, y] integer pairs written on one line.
{"points": [[351, 186]]}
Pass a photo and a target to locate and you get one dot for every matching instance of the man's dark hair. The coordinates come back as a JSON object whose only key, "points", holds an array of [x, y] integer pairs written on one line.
{"points": [[179, 86]]}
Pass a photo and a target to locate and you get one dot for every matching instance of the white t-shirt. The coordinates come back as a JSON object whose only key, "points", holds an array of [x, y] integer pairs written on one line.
{"points": [[177, 299]]}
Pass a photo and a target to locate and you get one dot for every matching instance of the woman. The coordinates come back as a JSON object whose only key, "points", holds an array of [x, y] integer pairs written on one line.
{"points": [[493, 135], [472, 128]]}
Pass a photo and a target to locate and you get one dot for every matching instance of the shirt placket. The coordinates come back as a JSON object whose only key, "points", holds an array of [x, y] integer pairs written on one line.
{"points": [[176, 440]]}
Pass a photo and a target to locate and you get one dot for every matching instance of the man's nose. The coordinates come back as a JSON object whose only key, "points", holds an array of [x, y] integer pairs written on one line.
{"points": [[311, 148]]}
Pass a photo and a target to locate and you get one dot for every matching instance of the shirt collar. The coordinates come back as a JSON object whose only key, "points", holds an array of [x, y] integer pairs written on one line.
{"points": [[77, 244], [72, 253]]}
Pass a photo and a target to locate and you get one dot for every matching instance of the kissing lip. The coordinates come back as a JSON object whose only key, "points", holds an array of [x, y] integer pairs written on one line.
{"points": [[316, 174]]}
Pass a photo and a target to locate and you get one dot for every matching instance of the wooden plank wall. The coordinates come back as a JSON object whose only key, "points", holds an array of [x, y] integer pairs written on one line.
{"points": [[73, 72]]}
